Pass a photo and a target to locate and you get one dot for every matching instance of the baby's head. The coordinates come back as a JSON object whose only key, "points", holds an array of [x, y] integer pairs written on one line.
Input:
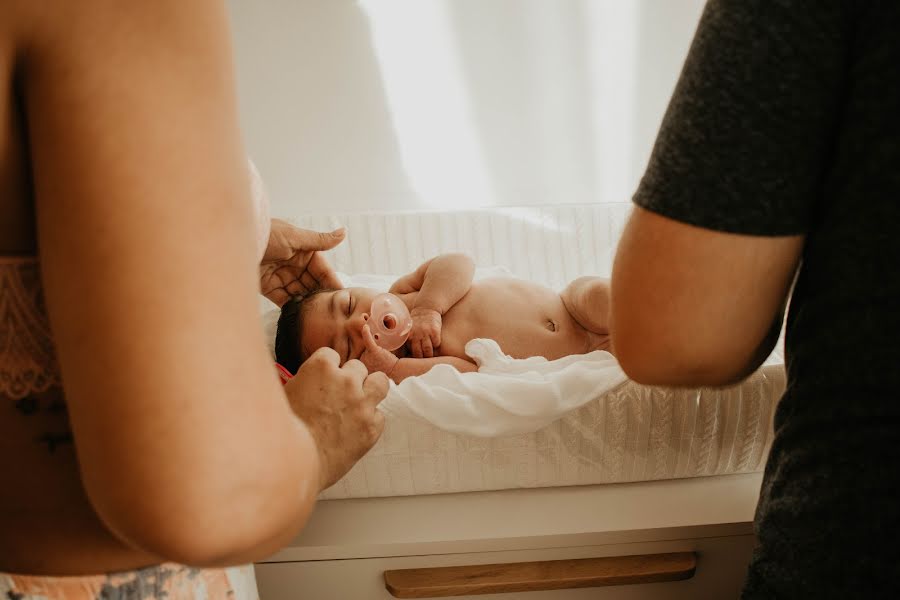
{"points": [[332, 318]]}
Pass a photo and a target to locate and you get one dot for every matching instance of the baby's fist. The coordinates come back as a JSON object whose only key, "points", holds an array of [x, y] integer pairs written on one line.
{"points": [[425, 335]]}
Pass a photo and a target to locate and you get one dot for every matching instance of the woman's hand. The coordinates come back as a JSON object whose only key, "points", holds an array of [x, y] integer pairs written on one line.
{"points": [[374, 357], [425, 334], [338, 404], [292, 264]]}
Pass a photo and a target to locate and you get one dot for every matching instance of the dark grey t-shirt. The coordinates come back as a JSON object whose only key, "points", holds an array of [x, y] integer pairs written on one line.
{"points": [[785, 121]]}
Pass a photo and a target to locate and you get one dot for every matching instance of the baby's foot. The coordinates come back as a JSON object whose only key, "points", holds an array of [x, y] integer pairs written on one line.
{"points": [[587, 300], [598, 341]]}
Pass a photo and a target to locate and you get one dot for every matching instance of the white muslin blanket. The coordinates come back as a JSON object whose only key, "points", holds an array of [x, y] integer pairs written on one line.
{"points": [[506, 396]]}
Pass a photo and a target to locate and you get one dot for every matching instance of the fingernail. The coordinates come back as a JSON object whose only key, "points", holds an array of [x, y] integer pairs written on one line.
{"points": [[340, 231]]}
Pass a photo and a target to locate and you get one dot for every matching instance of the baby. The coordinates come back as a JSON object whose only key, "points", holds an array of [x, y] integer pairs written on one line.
{"points": [[448, 309]]}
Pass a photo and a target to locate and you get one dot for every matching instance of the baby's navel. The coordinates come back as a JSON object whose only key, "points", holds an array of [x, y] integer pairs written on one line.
{"points": [[551, 325]]}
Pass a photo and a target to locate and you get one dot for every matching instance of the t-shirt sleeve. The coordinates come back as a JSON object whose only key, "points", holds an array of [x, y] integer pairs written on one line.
{"points": [[748, 136]]}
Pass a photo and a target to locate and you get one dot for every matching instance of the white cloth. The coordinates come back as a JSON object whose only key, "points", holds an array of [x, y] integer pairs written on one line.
{"points": [[505, 396]]}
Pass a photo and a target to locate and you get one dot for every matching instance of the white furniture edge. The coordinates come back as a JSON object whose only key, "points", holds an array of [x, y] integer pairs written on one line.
{"points": [[527, 519]]}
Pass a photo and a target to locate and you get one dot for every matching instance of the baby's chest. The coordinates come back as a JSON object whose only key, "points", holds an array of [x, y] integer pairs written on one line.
{"points": [[520, 328], [454, 340]]}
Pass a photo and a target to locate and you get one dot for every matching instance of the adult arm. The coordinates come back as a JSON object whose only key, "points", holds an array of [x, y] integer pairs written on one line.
{"points": [[187, 445], [706, 261], [693, 306], [293, 263]]}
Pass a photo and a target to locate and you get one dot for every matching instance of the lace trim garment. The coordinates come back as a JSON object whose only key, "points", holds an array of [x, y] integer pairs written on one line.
{"points": [[28, 363]]}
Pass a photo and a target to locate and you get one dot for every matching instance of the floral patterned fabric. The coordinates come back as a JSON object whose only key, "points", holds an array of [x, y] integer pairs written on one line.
{"points": [[162, 582]]}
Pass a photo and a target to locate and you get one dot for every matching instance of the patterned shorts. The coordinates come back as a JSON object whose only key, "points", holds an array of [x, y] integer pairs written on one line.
{"points": [[162, 582]]}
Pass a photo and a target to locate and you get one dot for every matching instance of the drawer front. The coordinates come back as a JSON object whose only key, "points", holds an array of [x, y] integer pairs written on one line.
{"points": [[721, 566]]}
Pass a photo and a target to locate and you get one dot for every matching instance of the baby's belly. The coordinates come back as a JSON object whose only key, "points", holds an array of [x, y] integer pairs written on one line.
{"points": [[525, 319]]}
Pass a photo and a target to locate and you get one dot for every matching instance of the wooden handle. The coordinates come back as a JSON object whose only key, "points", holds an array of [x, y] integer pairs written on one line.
{"points": [[440, 582]]}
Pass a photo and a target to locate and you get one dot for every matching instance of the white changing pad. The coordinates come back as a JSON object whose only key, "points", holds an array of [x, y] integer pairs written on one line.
{"points": [[632, 433]]}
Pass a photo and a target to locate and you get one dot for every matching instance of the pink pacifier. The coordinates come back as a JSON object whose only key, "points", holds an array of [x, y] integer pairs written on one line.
{"points": [[389, 321]]}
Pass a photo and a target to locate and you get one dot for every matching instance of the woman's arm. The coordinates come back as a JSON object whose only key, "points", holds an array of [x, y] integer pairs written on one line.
{"points": [[187, 446]]}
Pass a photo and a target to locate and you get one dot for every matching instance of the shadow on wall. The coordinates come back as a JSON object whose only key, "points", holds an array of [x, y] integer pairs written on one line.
{"points": [[313, 106]]}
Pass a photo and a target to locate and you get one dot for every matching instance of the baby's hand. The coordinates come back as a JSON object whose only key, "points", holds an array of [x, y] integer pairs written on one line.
{"points": [[374, 357], [425, 335]]}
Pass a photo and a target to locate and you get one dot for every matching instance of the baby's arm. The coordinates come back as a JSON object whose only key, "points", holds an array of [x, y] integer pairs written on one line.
{"points": [[409, 367], [376, 358], [587, 300], [440, 283]]}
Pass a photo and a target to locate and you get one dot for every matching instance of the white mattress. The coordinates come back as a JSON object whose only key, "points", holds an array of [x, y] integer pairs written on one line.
{"points": [[633, 433]]}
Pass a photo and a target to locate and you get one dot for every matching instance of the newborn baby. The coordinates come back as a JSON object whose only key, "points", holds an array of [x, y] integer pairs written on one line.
{"points": [[448, 309]]}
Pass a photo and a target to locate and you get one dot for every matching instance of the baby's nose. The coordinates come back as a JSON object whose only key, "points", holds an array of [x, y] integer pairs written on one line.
{"points": [[356, 322]]}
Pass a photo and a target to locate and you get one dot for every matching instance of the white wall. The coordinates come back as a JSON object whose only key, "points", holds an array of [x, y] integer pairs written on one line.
{"points": [[403, 104]]}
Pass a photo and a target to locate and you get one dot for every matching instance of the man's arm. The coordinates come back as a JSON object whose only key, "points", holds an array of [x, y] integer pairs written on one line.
{"points": [[693, 306], [731, 189]]}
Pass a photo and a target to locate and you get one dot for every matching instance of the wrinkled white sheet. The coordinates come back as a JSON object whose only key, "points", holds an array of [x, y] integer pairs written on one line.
{"points": [[506, 396]]}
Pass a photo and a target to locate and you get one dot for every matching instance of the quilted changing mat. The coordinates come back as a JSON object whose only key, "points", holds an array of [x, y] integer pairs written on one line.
{"points": [[630, 433]]}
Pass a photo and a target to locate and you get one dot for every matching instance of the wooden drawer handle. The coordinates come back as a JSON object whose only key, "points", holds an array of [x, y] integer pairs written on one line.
{"points": [[438, 582]]}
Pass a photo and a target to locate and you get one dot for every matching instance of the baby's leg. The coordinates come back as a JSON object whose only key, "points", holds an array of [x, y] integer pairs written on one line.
{"points": [[587, 300]]}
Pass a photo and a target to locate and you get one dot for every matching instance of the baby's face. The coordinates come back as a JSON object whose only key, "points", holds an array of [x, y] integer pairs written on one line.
{"points": [[335, 319]]}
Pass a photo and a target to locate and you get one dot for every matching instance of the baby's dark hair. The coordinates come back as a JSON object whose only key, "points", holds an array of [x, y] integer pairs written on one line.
{"points": [[288, 349]]}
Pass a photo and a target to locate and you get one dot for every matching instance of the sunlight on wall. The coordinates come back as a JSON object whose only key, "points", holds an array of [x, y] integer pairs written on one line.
{"points": [[354, 105], [427, 99]]}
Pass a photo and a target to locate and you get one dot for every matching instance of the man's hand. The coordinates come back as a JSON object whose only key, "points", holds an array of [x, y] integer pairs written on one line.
{"points": [[292, 264], [339, 406], [425, 334], [374, 357]]}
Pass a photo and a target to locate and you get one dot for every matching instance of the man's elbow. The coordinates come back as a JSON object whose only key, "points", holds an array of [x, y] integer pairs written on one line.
{"points": [[652, 360]]}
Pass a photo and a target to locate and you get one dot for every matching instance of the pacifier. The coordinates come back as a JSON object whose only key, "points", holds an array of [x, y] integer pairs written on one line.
{"points": [[389, 321]]}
